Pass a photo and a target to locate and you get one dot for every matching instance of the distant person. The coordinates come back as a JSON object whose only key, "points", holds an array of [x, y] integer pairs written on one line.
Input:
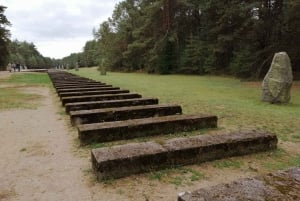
{"points": [[18, 67], [77, 66], [13, 67], [9, 67]]}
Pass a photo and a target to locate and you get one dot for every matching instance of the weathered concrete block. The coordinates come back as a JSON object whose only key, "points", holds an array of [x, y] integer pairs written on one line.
{"points": [[75, 99], [94, 92], [71, 86], [122, 113], [72, 82], [128, 129], [72, 89], [211, 147], [124, 160], [109, 104], [101, 88], [119, 161], [278, 81], [282, 185], [56, 79]]}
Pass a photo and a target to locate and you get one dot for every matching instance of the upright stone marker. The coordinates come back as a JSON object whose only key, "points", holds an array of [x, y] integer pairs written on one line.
{"points": [[278, 81]]}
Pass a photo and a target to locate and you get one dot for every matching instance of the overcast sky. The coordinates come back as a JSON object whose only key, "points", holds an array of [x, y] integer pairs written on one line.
{"points": [[57, 27]]}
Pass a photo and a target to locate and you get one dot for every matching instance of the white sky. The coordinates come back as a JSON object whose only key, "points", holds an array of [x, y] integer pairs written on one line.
{"points": [[57, 27]]}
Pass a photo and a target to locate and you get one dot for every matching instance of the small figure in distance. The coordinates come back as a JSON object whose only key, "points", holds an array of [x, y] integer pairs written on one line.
{"points": [[13, 66], [18, 67], [9, 67]]}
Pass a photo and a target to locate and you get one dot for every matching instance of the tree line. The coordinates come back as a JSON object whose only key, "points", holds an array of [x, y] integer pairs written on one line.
{"points": [[26, 54], [21, 52], [234, 37]]}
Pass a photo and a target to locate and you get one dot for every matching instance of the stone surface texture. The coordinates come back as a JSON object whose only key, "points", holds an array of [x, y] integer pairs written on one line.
{"points": [[76, 99], [124, 160], [282, 185], [277, 83], [123, 113], [133, 128], [109, 104]]}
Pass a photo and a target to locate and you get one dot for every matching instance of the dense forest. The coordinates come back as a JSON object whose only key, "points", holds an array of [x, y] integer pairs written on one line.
{"points": [[194, 36], [181, 36]]}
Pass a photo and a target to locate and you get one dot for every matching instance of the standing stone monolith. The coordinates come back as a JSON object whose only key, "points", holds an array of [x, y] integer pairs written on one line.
{"points": [[276, 86]]}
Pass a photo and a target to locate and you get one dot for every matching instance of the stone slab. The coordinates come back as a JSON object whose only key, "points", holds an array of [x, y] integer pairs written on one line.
{"points": [[75, 99], [281, 185], [70, 86], [74, 81], [211, 147], [128, 129], [93, 92], [109, 104], [72, 89], [123, 113], [124, 160], [87, 89]]}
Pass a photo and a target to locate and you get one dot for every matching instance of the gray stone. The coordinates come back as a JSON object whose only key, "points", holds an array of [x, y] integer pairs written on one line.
{"points": [[124, 160], [281, 185], [136, 128], [123, 113], [110, 104], [278, 81]]}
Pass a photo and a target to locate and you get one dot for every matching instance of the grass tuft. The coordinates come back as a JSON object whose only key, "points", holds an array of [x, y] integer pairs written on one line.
{"points": [[227, 163], [178, 176]]}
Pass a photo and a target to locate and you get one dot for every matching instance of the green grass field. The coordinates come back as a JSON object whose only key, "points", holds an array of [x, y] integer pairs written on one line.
{"points": [[13, 97], [40, 79], [236, 103]]}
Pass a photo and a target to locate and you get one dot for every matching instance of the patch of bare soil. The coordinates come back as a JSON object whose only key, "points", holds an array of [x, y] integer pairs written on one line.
{"points": [[41, 160], [36, 160]]}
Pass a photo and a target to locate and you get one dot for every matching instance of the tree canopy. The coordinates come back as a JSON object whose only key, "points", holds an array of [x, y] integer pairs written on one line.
{"points": [[26, 54], [4, 36], [200, 37]]}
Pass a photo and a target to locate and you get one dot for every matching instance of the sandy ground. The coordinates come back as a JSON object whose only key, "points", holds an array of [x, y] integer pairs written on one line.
{"points": [[36, 156], [40, 160]]}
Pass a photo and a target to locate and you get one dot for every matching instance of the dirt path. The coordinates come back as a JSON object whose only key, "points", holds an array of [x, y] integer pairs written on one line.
{"points": [[36, 156]]}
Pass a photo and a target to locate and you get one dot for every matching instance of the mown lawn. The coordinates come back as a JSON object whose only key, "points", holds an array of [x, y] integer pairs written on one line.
{"points": [[236, 103], [40, 79], [13, 96]]}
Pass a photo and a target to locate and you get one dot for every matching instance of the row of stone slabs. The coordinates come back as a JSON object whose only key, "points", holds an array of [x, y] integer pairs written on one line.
{"points": [[103, 116]]}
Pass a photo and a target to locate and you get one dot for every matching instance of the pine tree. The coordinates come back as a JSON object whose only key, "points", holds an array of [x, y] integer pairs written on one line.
{"points": [[4, 37]]}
